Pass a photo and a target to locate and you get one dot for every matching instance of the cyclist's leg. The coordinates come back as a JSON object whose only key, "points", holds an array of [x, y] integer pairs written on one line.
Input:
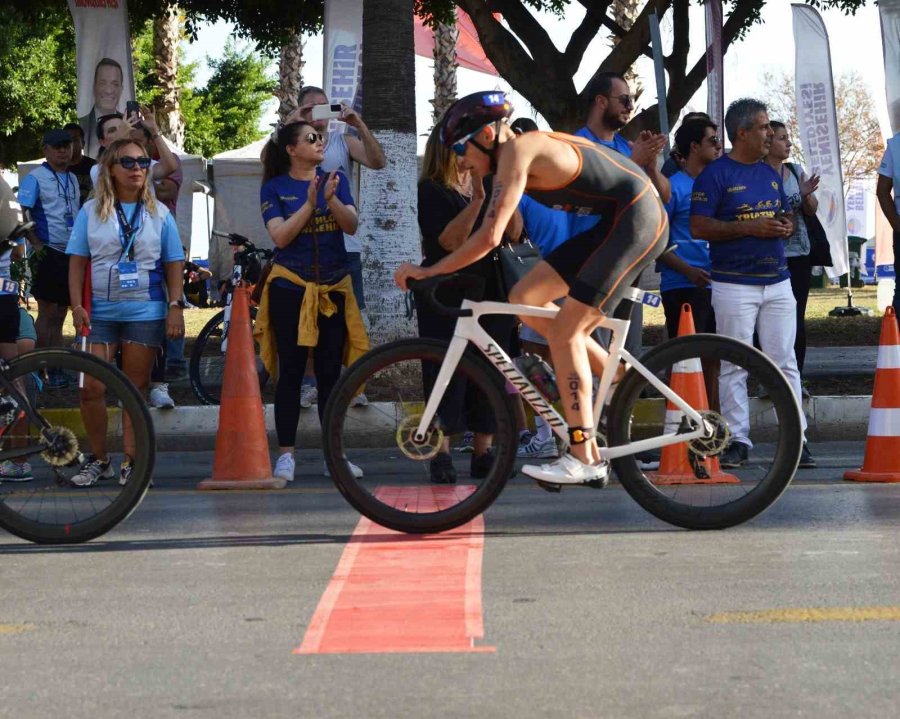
{"points": [[541, 287]]}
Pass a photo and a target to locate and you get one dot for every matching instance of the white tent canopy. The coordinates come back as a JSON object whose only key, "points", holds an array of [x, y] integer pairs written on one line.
{"points": [[237, 176]]}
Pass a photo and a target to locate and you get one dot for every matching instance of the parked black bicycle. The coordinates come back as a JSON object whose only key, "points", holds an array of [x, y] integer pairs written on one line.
{"points": [[207, 363]]}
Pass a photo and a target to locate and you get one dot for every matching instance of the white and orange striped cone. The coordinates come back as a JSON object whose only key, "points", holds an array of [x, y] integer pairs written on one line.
{"points": [[687, 382], [882, 460]]}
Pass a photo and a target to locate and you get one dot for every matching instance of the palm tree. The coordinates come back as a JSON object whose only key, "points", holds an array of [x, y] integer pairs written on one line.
{"points": [[445, 38], [290, 74], [625, 12], [168, 30], [387, 203]]}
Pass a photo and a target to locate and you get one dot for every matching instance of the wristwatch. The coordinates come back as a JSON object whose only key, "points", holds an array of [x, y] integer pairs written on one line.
{"points": [[178, 303]]}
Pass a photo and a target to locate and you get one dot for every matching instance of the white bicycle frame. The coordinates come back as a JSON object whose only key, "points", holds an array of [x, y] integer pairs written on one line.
{"points": [[468, 330]]}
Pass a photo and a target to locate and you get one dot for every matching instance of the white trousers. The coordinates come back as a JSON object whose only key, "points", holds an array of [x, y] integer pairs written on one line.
{"points": [[771, 311]]}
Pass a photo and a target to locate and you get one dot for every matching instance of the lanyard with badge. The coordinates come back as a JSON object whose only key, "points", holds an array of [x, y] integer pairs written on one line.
{"points": [[69, 215], [128, 271]]}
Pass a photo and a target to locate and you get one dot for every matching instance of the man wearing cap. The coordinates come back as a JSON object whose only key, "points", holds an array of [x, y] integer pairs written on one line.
{"points": [[50, 192]]}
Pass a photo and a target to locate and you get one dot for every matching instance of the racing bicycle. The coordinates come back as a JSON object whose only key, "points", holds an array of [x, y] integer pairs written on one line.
{"points": [[407, 380]]}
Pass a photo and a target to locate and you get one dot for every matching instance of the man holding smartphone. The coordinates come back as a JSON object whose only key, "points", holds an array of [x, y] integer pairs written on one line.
{"points": [[738, 204]]}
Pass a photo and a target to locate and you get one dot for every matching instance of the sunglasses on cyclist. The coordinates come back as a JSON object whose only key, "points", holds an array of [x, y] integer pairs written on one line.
{"points": [[313, 137], [459, 147], [129, 163]]}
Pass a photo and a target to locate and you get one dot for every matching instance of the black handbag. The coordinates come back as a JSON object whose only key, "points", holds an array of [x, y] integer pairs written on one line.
{"points": [[513, 261], [819, 249]]}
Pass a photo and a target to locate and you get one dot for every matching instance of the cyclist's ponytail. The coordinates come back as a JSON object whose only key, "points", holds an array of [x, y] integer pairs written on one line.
{"points": [[274, 156]]}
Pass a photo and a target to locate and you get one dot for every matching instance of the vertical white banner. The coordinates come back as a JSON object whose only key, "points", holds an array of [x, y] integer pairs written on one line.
{"points": [[715, 75], [103, 57], [343, 54], [889, 11], [817, 118]]}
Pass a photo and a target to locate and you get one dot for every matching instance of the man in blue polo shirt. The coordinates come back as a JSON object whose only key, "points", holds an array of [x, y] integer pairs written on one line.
{"points": [[51, 193], [739, 205]]}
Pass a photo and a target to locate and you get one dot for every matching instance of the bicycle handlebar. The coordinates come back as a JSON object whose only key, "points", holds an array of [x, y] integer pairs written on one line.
{"points": [[233, 238], [461, 281]]}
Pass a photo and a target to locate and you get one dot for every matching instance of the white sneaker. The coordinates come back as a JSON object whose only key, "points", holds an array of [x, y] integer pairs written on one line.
{"points": [[537, 449], [309, 395], [360, 400], [284, 467], [92, 471], [159, 396], [357, 471], [567, 470]]}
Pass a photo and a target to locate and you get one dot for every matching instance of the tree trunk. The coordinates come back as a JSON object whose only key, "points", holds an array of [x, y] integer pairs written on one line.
{"points": [[445, 37], [387, 205], [167, 34], [290, 75], [625, 12]]}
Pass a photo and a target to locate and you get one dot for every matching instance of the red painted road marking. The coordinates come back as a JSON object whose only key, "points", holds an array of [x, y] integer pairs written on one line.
{"points": [[395, 592]]}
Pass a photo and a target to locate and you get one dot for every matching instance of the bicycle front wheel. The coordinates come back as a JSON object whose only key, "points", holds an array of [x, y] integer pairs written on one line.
{"points": [[207, 364], [410, 485], [745, 395], [42, 469]]}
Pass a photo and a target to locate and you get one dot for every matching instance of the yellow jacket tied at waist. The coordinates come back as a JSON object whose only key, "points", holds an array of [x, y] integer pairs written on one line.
{"points": [[315, 302]]}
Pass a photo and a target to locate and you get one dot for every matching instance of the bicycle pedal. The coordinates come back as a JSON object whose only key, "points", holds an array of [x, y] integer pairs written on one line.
{"points": [[548, 487], [597, 483]]}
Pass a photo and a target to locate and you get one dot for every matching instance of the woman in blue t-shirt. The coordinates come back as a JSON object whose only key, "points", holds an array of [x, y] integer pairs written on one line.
{"points": [[306, 212], [136, 265]]}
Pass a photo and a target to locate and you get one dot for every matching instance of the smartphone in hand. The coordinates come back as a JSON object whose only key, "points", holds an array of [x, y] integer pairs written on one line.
{"points": [[326, 112], [133, 108]]}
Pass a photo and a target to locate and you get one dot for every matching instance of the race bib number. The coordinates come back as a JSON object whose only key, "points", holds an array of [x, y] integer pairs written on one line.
{"points": [[9, 287], [651, 299], [128, 275]]}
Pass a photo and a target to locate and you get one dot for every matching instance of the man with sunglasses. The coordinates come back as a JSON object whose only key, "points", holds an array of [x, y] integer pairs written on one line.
{"points": [[51, 194], [685, 270]]}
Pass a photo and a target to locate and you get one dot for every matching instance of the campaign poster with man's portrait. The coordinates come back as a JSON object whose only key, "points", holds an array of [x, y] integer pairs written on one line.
{"points": [[103, 56]]}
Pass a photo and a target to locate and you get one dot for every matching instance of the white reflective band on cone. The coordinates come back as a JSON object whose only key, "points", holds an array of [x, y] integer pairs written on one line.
{"points": [[688, 366], [884, 423], [889, 357]]}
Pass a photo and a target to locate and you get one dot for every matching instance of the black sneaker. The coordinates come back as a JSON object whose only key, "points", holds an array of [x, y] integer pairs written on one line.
{"points": [[734, 456], [442, 470], [480, 466], [806, 458]]}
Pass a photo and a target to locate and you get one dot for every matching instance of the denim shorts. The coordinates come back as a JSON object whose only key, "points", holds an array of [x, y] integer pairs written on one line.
{"points": [[151, 333]]}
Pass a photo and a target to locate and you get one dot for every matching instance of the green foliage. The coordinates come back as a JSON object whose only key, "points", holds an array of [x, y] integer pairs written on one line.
{"points": [[37, 78], [226, 114]]}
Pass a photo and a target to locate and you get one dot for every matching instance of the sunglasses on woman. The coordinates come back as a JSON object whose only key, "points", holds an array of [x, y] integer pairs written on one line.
{"points": [[313, 137], [129, 163], [459, 147]]}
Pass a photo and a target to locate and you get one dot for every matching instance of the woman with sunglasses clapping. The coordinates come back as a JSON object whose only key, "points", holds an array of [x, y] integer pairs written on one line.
{"points": [[308, 299], [136, 265]]}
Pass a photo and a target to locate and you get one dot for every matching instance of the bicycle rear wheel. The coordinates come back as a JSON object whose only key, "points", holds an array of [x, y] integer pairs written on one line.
{"points": [[396, 490], [690, 489], [48, 507], [207, 364]]}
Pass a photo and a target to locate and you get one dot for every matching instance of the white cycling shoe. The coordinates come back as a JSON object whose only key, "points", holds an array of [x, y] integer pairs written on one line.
{"points": [[568, 470]]}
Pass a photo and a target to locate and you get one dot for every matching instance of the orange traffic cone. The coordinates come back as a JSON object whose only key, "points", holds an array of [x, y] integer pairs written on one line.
{"points": [[882, 460], [687, 381], [242, 448]]}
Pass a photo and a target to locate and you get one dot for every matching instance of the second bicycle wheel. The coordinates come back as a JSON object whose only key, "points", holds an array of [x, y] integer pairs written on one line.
{"points": [[40, 496], [207, 363], [409, 485], [748, 399]]}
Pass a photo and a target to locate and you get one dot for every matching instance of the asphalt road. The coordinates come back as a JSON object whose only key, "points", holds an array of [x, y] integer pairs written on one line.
{"points": [[193, 607]]}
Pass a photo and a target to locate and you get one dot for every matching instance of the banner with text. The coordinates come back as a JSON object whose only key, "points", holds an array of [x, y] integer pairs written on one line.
{"points": [[103, 58], [817, 118], [889, 11], [715, 75], [343, 55]]}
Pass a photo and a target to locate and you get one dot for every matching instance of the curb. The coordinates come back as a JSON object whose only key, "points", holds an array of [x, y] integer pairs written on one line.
{"points": [[194, 428]]}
